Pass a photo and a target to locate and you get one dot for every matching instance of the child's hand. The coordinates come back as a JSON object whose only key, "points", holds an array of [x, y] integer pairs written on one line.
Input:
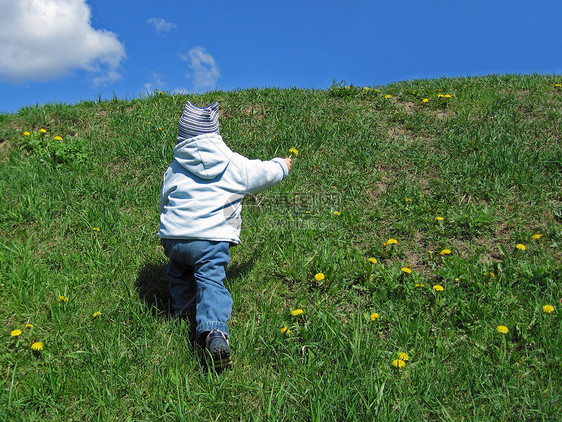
{"points": [[288, 162]]}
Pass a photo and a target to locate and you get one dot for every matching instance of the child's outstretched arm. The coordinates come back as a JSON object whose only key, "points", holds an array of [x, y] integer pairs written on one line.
{"points": [[261, 175], [288, 161]]}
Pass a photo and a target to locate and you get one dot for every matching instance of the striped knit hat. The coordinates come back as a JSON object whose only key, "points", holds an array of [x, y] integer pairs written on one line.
{"points": [[198, 120]]}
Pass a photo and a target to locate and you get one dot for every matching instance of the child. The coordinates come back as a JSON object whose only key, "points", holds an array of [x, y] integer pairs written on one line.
{"points": [[200, 206]]}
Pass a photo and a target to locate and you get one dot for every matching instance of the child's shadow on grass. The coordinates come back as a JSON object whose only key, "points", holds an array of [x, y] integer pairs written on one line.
{"points": [[152, 288], [152, 284]]}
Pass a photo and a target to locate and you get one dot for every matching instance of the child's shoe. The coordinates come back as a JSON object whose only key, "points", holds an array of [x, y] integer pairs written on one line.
{"points": [[218, 350]]}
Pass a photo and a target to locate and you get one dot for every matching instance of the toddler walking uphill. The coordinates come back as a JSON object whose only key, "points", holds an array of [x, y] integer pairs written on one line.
{"points": [[200, 207]]}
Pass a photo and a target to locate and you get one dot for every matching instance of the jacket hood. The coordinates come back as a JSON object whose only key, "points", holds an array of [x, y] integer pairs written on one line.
{"points": [[205, 156]]}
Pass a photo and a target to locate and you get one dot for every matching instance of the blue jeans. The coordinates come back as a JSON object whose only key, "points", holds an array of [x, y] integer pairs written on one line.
{"points": [[196, 274]]}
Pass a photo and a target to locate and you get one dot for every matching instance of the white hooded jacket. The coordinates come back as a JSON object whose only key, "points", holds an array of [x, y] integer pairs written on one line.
{"points": [[203, 188]]}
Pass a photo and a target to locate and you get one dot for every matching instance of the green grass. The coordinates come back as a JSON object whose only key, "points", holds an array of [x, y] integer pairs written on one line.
{"points": [[79, 218]]}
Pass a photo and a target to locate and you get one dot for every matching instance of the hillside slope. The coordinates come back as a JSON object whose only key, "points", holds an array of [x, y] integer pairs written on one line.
{"points": [[431, 207]]}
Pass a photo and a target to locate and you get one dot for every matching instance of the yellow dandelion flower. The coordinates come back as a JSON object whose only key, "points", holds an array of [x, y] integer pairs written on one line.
{"points": [[374, 316], [398, 363], [425, 100], [62, 299], [43, 130], [408, 200], [28, 325], [388, 96], [319, 277], [548, 309], [373, 260], [445, 252], [297, 312], [558, 85], [96, 314], [430, 252], [536, 236], [294, 151], [457, 279], [58, 138], [520, 246], [96, 229], [348, 87], [406, 270], [420, 285], [336, 213], [439, 218], [440, 95], [447, 95], [438, 288], [502, 329], [403, 356], [15, 333], [37, 346], [285, 330], [366, 88], [392, 241]]}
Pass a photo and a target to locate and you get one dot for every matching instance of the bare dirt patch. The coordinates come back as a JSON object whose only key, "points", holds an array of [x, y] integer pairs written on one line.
{"points": [[255, 111], [407, 107], [3, 148], [441, 114], [407, 137]]}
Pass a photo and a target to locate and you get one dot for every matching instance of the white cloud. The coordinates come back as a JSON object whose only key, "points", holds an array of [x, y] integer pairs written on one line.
{"points": [[45, 39], [179, 91], [156, 83], [160, 25], [203, 70]]}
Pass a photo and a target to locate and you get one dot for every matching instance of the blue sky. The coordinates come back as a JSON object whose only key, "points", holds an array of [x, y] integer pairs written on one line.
{"points": [[71, 50]]}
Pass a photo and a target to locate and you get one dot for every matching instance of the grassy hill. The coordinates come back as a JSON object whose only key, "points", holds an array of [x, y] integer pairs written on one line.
{"points": [[433, 209]]}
